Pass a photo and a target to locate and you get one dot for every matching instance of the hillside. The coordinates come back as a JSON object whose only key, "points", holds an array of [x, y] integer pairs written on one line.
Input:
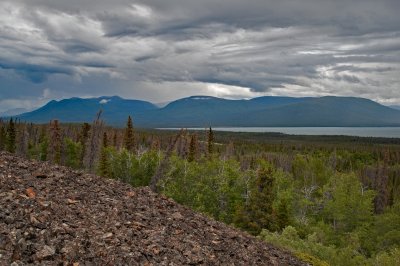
{"points": [[204, 111], [115, 110], [12, 112], [52, 215]]}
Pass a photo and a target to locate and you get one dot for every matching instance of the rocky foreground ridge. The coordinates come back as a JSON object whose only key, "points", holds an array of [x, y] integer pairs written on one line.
{"points": [[52, 215]]}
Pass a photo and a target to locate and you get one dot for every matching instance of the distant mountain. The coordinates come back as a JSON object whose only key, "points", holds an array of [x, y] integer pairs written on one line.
{"points": [[13, 112], [204, 111], [199, 111], [115, 110], [397, 107]]}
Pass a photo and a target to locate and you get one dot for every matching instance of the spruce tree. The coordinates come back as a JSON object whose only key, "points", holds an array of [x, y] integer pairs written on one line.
{"points": [[11, 136], [258, 212], [105, 140], [282, 214], [210, 142], [3, 137], [104, 166], [55, 141], [72, 153], [192, 148], [129, 138], [83, 137]]}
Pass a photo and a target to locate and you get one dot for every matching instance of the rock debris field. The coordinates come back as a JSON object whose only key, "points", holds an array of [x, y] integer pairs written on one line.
{"points": [[52, 215]]}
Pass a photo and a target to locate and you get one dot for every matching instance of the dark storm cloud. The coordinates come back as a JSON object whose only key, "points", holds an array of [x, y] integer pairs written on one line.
{"points": [[35, 73], [155, 49]]}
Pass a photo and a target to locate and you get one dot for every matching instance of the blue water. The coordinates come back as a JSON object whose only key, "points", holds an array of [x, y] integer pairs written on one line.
{"points": [[384, 132]]}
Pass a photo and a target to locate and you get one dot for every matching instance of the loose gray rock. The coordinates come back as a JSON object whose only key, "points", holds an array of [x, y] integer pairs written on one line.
{"points": [[45, 252], [72, 218]]}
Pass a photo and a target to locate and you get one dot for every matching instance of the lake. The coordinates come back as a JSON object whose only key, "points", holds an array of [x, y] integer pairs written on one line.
{"points": [[384, 132]]}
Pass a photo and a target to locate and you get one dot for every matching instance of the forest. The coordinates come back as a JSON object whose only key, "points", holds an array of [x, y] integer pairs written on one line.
{"points": [[329, 200]]}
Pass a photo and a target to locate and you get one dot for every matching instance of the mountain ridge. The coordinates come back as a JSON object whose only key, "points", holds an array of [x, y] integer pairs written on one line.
{"points": [[204, 111]]}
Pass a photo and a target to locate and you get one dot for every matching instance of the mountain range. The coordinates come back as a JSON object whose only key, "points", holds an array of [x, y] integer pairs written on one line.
{"points": [[204, 111], [13, 112]]}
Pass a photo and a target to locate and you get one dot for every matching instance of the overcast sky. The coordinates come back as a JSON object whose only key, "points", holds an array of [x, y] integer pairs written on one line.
{"points": [[160, 50]]}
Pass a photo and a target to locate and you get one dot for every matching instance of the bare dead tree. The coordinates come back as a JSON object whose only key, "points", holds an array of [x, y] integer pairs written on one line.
{"points": [[160, 172], [93, 145], [22, 139]]}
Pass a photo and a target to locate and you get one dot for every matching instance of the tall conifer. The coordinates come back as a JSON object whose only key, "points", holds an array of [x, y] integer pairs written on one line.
{"points": [[129, 137], [11, 136], [3, 137], [258, 212], [83, 137], [210, 142], [104, 165], [55, 141], [192, 148]]}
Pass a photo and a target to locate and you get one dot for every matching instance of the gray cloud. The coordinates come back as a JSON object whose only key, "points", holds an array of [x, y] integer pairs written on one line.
{"points": [[161, 50]]}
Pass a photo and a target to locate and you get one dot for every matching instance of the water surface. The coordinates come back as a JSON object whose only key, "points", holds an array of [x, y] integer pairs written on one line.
{"points": [[383, 132]]}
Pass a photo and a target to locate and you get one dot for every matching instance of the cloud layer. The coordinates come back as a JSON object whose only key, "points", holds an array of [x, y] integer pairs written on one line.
{"points": [[162, 50]]}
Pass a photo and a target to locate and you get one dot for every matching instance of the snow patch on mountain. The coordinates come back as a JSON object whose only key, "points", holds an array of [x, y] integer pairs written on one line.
{"points": [[104, 101]]}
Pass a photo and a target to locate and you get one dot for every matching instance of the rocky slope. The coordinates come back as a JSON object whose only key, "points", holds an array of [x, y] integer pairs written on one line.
{"points": [[51, 215]]}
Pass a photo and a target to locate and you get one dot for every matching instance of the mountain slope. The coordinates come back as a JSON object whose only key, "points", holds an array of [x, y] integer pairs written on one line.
{"points": [[325, 111], [271, 111], [204, 111], [115, 110], [51, 215], [13, 112]]}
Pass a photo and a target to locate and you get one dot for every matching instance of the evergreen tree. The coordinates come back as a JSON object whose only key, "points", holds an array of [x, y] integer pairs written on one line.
{"points": [[73, 152], [258, 212], [192, 148], [105, 140], [55, 141], [83, 137], [104, 165], [22, 138], [129, 137], [282, 214], [11, 136], [3, 137], [210, 142]]}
